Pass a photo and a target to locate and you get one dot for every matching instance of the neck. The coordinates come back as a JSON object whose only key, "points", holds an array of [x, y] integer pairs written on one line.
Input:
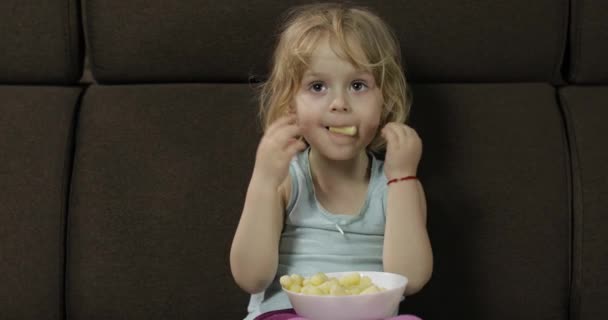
{"points": [[328, 172]]}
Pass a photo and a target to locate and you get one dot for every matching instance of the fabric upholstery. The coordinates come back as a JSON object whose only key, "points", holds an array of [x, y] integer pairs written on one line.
{"points": [[159, 178], [589, 42], [586, 114], [119, 200], [41, 41], [230, 41], [495, 172], [36, 141]]}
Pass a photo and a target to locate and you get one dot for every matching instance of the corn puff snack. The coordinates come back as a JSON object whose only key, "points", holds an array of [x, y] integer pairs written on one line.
{"points": [[321, 285]]}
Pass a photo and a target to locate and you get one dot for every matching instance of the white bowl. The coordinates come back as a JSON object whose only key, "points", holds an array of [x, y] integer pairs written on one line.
{"points": [[372, 306]]}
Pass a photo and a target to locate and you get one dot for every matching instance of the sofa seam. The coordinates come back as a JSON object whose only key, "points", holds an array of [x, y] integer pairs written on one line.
{"points": [[578, 30], [68, 39], [562, 46], [577, 222], [67, 192], [87, 30]]}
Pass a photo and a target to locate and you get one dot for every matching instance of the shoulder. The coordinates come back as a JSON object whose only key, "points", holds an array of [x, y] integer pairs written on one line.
{"points": [[286, 188], [379, 179]]}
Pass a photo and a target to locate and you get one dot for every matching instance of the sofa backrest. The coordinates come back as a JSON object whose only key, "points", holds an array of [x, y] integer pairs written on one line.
{"points": [[42, 42], [495, 161], [120, 200], [588, 42], [584, 102], [190, 41], [41, 50]]}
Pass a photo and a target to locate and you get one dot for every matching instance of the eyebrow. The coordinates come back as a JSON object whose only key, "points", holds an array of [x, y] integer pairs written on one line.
{"points": [[322, 74]]}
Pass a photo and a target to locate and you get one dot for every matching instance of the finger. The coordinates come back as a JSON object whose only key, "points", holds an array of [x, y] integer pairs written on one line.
{"points": [[280, 122], [295, 147], [401, 133], [390, 136], [410, 131], [412, 136], [286, 134], [397, 134]]}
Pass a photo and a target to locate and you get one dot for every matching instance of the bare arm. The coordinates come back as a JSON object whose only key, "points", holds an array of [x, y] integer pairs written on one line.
{"points": [[407, 249], [254, 253]]}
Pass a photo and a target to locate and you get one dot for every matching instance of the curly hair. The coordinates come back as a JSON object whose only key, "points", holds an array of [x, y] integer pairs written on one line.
{"points": [[350, 28]]}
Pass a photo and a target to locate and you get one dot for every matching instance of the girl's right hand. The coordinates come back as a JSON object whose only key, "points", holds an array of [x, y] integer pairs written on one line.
{"points": [[278, 146]]}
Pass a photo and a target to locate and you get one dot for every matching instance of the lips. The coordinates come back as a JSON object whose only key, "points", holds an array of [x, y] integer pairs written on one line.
{"points": [[346, 130]]}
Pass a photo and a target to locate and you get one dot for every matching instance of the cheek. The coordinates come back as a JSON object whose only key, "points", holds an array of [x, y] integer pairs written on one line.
{"points": [[370, 128], [303, 114], [306, 122], [306, 115], [374, 116]]}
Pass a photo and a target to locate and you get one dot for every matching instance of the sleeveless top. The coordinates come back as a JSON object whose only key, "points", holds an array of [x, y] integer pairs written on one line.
{"points": [[315, 240]]}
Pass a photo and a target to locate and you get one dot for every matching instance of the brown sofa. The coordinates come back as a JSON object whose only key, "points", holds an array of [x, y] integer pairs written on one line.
{"points": [[121, 186]]}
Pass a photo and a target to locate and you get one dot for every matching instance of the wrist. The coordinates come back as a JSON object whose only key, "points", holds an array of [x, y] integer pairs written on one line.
{"points": [[392, 174], [262, 180], [397, 179]]}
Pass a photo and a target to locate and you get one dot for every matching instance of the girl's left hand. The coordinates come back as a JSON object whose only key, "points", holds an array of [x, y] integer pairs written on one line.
{"points": [[403, 150]]}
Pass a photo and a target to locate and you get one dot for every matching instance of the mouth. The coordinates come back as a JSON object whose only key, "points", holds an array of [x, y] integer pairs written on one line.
{"points": [[347, 130]]}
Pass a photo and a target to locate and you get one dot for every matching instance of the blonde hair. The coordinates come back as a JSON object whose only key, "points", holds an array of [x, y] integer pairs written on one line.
{"points": [[349, 28]]}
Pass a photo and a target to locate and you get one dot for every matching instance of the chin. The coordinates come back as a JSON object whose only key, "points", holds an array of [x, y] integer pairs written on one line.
{"points": [[339, 153]]}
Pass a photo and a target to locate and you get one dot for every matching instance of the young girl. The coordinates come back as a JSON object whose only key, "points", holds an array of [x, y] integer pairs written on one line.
{"points": [[318, 199]]}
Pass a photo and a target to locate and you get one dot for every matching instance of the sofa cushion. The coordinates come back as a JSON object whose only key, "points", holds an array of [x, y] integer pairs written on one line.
{"points": [[589, 42], [36, 134], [41, 42], [586, 114], [227, 41], [495, 173], [159, 181]]}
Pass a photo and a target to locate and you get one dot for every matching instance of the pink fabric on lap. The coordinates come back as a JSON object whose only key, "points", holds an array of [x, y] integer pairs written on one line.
{"points": [[284, 314], [290, 314]]}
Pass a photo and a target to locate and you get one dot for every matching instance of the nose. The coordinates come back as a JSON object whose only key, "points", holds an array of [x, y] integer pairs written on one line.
{"points": [[339, 104]]}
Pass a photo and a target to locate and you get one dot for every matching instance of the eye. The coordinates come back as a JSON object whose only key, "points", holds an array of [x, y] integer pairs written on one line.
{"points": [[359, 85], [317, 87]]}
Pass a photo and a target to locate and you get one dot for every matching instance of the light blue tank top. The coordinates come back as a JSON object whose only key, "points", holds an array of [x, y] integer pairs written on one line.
{"points": [[315, 240]]}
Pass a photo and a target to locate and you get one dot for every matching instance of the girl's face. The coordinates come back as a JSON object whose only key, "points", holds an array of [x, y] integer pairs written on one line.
{"points": [[338, 107]]}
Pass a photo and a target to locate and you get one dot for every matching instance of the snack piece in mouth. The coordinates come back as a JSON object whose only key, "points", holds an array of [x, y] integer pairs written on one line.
{"points": [[349, 131]]}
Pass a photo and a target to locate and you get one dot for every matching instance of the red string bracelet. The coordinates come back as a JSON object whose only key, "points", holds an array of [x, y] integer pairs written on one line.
{"points": [[401, 179]]}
